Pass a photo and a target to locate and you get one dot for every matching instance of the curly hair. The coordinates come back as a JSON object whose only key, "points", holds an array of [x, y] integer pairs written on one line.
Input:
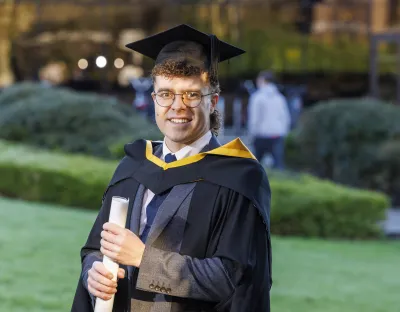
{"points": [[172, 68]]}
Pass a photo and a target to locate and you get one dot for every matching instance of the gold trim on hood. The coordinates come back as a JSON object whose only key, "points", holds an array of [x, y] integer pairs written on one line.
{"points": [[235, 148]]}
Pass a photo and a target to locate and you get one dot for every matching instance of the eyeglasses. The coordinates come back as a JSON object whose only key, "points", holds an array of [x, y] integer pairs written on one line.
{"points": [[191, 99]]}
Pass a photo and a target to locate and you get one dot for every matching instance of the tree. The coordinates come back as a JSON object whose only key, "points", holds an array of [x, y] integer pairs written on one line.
{"points": [[7, 19]]}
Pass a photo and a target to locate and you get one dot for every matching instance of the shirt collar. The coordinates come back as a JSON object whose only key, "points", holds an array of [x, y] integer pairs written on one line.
{"points": [[189, 150]]}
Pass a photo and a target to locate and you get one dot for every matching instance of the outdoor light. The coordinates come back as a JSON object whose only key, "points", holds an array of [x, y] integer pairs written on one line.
{"points": [[83, 64], [101, 61], [119, 63]]}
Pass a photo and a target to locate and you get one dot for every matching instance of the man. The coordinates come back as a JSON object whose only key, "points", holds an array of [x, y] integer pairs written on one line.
{"points": [[197, 235], [268, 120]]}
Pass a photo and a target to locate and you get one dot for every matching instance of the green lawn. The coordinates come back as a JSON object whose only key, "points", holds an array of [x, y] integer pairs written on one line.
{"points": [[39, 266]]}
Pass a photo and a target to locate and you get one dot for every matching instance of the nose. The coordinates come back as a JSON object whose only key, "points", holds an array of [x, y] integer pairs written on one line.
{"points": [[178, 104]]}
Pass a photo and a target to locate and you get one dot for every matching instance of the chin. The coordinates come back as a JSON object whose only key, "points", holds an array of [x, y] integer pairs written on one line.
{"points": [[182, 136], [178, 137]]}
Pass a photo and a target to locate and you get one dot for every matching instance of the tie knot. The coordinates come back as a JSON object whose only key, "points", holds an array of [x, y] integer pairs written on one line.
{"points": [[170, 158]]}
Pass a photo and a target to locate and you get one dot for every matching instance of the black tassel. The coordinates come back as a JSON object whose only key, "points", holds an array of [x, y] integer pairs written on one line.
{"points": [[214, 57]]}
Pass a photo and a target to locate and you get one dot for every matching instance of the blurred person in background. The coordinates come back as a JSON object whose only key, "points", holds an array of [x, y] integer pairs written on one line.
{"points": [[197, 234], [268, 120]]}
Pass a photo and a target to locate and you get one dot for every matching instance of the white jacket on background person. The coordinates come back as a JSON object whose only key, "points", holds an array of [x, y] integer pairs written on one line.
{"points": [[268, 113]]}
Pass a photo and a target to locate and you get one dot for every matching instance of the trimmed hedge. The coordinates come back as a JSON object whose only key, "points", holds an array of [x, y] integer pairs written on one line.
{"points": [[38, 175], [301, 205], [311, 207]]}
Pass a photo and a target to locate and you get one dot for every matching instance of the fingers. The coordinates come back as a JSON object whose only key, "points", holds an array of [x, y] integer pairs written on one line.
{"points": [[109, 237], [112, 255], [113, 228], [101, 269], [102, 288], [121, 273], [100, 274], [100, 283], [110, 246], [99, 294]]}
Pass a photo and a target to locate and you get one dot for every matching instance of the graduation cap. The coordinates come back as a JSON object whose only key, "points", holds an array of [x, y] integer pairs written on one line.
{"points": [[187, 44]]}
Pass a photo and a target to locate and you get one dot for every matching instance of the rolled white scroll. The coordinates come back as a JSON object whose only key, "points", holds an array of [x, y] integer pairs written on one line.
{"points": [[118, 213]]}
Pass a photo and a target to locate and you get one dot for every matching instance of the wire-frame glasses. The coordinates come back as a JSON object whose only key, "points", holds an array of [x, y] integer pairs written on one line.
{"points": [[191, 99]]}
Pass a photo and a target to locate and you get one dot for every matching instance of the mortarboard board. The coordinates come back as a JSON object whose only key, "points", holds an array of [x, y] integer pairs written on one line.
{"points": [[187, 43]]}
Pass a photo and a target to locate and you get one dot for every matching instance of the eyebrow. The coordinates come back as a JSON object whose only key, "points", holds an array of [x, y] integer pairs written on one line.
{"points": [[188, 90]]}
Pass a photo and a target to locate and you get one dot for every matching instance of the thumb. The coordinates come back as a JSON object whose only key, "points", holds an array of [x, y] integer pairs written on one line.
{"points": [[121, 273]]}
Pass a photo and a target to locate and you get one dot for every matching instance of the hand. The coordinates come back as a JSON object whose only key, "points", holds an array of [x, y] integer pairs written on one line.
{"points": [[121, 245], [100, 281]]}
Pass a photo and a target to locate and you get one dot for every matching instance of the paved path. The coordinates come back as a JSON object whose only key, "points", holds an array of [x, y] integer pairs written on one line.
{"points": [[392, 224]]}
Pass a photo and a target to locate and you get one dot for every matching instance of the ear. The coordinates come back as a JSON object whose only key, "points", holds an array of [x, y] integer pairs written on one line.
{"points": [[214, 102]]}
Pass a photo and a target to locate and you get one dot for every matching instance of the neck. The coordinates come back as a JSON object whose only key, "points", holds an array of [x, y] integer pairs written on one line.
{"points": [[177, 146], [174, 146]]}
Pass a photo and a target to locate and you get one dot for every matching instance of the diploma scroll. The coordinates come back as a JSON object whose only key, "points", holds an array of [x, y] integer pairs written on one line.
{"points": [[118, 213]]}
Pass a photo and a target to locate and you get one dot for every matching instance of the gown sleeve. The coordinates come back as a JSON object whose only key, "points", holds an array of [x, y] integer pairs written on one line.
{"points": [[90, 252]]}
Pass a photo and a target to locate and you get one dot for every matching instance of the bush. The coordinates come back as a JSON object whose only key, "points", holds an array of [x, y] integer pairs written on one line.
{"points": [[72, 122], [386, 173], [306, 206], [18, 92], [293, 158], [339, 139], [37, 175], [301, 205]]}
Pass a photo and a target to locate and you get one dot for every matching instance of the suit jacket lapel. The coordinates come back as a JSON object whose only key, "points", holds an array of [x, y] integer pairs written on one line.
{"points": [[168, 209], [137, 210], [174, 199], [138, 201], [158, 150]]}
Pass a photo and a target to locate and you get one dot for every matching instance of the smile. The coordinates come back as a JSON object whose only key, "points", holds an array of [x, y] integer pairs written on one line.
{"points": [[179, 120]]}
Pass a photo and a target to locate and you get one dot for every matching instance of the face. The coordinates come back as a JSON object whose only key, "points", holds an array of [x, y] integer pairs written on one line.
{"points": [[260, 82], [182, 125]]}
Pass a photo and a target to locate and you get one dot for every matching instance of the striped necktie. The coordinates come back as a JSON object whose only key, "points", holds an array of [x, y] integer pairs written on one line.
{"points": [[154, 204]]}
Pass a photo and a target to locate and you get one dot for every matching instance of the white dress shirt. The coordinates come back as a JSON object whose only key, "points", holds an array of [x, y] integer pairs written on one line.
{"points": [[188, 150]]}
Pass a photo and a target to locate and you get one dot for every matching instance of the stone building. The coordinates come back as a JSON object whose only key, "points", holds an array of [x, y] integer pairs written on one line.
{"points": [[34, 33]]}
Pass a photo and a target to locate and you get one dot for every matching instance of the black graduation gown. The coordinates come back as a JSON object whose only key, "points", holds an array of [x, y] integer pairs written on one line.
{"points": [[228, 218]]}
